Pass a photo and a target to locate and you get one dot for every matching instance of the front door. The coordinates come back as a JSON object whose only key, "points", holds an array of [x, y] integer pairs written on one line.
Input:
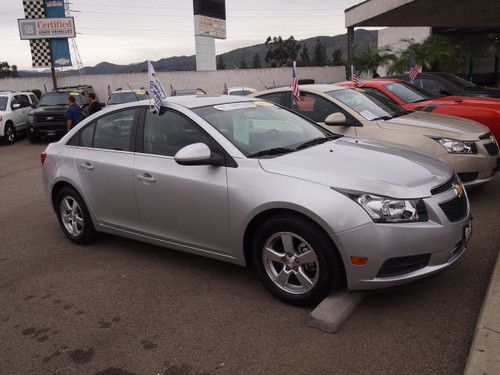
{"points": [[183, 204], [105, 168]]}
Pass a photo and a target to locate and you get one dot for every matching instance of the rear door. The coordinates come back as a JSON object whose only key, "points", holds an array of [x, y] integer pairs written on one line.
{"points": [[183, 204], [105, 163]]}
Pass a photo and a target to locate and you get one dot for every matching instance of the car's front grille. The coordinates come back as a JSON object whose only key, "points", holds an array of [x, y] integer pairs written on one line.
{"points": [[455, 209], [57, 117], [492, 148], [468, 177], [448, 185], [401, 265]]}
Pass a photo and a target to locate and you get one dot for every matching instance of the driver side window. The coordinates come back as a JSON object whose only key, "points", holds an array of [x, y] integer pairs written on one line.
{"points": [[314, 107]]}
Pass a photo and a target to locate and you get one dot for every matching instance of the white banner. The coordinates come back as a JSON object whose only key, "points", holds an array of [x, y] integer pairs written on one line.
{"points": [[209, 26], [155, 88], [46, 28]]}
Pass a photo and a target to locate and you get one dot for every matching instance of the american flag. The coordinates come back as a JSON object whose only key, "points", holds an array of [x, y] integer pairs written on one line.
{"points": [[354, 76], [295, 82], [226, 91], [414, 70], [109, 91]]}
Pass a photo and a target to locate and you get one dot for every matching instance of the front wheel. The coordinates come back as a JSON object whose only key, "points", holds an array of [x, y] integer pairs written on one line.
{"points": [[295, 260], [9, 133], [74, 217]]}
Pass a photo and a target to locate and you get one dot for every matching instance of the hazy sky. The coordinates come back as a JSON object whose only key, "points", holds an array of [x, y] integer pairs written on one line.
{"points": [[127, 31]]}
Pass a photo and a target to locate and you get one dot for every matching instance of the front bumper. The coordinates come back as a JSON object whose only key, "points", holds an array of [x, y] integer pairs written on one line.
{"points": [[439, 241], [48, 129]]}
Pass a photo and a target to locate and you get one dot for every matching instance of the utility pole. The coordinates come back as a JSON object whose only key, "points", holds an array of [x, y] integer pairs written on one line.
{"points": [[52, 69], [350, 51]]}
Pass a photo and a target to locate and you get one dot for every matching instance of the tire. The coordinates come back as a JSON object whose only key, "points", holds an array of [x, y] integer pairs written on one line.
{"points": [[282, 274], [33, 138], [75, 220], [9, 133]]}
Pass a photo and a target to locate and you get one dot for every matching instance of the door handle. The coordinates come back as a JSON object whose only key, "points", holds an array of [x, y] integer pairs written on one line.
{"points": [[146, 178], [87, 166]]}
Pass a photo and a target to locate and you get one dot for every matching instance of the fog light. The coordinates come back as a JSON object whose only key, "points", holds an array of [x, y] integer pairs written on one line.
{"points": [[359, 261]]}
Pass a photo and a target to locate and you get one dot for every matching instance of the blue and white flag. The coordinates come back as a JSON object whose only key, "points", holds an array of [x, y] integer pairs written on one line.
{"points": [[155, 88]]}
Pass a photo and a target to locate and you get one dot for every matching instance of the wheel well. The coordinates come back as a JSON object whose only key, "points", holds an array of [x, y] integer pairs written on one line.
{"points": [[57, 188], [263, 216]]}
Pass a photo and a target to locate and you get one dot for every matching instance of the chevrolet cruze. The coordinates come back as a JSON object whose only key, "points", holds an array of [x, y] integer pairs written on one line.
{"points": [[246, 181]]}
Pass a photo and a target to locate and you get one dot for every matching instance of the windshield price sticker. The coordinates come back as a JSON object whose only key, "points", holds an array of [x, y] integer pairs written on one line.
{"points": [[74, 93], [264, 104], [234, 106], [367, 114]]}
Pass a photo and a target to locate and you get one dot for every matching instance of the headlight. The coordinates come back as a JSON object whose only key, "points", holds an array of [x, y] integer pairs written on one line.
{"points": [[390, 210], [454, 146]]}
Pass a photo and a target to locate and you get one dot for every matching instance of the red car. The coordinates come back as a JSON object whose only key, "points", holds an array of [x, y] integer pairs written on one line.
{"points": [[411, 97]]}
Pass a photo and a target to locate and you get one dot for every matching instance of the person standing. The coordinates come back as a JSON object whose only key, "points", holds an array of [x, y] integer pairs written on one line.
{"points": [[94, 105], [73, 113]]}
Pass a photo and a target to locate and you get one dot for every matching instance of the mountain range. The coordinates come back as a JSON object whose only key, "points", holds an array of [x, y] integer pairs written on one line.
{"points": [[232, 59]]}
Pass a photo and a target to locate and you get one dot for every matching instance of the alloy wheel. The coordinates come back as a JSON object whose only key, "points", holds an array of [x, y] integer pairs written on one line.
{"points": [[290, 262], [71, 216], [10, 134]]}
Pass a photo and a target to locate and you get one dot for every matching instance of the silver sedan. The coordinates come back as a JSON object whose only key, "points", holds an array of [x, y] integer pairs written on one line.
{"points": [[245, 181]]}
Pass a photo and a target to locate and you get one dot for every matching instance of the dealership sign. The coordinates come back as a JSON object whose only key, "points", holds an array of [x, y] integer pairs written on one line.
{"points": [[209, 26], [46, 28]]}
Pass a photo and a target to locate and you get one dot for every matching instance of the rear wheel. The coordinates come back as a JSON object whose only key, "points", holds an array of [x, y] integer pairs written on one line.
{"points": [[9, 133], [74, 217], [295, 260]]}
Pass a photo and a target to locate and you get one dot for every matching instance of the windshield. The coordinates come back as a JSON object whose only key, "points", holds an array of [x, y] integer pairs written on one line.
{"points": [[409, 93], [254, 127], [3, 103], [368, 106], [126, 97], [463, 83], [58, 99]]}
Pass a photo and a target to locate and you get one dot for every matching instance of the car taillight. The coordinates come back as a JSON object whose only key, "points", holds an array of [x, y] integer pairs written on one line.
{"points": [[43, 156]]}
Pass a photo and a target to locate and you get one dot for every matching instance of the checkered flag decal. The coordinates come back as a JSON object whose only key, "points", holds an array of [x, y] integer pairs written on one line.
{"points": [[40, 48]]}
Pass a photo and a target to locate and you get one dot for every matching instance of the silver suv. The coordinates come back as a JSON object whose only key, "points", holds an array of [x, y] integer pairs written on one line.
{"points": [[14, 109], [246, 181]]}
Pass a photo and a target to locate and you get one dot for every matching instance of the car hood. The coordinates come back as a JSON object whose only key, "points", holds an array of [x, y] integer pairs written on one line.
{"points": [[433, 124], [49, 109], [361, 165]]}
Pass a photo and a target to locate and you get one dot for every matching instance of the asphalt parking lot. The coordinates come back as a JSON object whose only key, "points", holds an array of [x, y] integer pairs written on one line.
{"points": [[123, 307]]}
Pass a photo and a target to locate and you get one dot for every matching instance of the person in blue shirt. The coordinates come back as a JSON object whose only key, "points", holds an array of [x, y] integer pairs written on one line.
{"points": [[73, 113]]}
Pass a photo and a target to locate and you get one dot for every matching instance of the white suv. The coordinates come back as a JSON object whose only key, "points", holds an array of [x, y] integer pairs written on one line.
{"points": [[14, 109]]}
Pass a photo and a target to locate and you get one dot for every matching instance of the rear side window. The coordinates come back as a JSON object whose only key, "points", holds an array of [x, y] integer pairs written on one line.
{"points": [[114, 131], [167, 133], [87, 135], [277, 97], [378, 94], [314, 107]]}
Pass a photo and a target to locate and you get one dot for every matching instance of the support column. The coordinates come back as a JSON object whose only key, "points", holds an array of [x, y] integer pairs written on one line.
{"points": [[205, 53], [350, 51]]}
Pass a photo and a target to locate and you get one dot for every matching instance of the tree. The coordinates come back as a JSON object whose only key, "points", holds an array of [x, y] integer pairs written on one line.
{"points": [[435, 53], [243, 64], [337, 57], [220, 63], [371, 59], [281, 52], [256, 61], [319, 57], [304, 59], [6, 70]]}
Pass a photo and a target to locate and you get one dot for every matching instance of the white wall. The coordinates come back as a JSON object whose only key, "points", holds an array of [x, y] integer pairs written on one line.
{"points": [[211, 81]]}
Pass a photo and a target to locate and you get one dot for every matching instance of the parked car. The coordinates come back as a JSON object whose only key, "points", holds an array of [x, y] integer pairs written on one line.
{"points": [[186, 92], [49, 117], [14, 108], [468, 146], [120, 96], [246, 181], [414, 98], [240, 90], [448, 84]]}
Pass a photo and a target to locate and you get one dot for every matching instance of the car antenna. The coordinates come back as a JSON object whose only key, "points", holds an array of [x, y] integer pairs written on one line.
{"points": [[133, 92], [267, 88]]}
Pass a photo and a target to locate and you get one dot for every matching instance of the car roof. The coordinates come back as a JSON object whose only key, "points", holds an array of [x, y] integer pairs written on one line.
{"points": [[313, 87], [133, 90], [195, 101]]}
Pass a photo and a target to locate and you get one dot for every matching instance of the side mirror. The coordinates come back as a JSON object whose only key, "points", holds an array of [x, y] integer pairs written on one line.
{"points": [[196, 154], [16, 105], [336, 119]]}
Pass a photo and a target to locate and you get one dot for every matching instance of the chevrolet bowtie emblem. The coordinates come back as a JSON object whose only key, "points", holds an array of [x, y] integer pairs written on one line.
{"points": [[459, 189]]}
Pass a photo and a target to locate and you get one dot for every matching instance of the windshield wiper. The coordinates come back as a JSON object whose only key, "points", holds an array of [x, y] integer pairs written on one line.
{"points": [[318, 141], [381, 118], [272, 151]]}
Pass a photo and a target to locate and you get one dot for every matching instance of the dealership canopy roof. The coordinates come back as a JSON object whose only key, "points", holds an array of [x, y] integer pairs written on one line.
{"points": [[437, 14]]}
